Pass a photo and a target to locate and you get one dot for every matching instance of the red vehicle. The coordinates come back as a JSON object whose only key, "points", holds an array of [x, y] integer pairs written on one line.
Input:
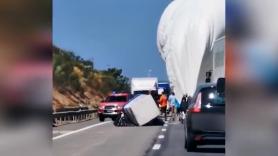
{"points": [[112, 106]]}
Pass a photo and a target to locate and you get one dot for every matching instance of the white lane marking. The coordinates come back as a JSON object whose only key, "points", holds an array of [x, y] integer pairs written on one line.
{"points": [[174, 123], [163, 129], [80, 130], [165, 125], [62, 132], [156, 146], [161, 137]]}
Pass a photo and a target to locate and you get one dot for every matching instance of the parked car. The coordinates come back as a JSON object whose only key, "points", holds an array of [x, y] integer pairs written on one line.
{"points": [[112, 106], [205, 117]]}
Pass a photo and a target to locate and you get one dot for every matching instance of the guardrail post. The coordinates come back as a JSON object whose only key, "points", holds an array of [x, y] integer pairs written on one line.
{"points": [[60, 118], [60, 121]]}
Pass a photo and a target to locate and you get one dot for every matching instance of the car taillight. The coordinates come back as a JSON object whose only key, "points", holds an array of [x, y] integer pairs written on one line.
{"points": [[197, 106]]}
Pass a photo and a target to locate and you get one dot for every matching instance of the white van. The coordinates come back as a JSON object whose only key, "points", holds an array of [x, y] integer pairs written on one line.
{"points": [[144, 85]]}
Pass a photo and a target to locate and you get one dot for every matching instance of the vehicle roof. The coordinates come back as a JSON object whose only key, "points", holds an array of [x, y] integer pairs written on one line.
{"points": [[118, 94], [200, 87], [144, 78], [163, 82], [206, 85]]}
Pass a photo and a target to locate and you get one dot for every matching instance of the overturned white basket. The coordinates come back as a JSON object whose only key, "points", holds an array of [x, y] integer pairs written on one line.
{"points": [[141, 109]]}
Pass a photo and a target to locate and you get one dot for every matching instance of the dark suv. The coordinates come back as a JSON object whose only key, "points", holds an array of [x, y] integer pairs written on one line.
{"points": [[205, 117]]}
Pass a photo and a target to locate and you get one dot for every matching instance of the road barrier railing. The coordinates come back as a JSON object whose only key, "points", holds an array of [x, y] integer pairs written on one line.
{"points": [[67, 117]]}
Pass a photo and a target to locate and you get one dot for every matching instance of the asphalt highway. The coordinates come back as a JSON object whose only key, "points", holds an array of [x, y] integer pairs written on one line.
{"points": [[94, 138]]}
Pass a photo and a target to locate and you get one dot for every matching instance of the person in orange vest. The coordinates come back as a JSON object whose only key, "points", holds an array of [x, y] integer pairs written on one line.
{"points": [[163, 104]]}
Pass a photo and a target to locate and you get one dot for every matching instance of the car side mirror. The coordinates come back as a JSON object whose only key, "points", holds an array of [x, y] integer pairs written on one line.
{"points": [[220, 86]]}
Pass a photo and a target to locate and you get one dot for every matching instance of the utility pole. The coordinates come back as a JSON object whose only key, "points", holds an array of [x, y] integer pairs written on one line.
{"points": [[149, 72]]}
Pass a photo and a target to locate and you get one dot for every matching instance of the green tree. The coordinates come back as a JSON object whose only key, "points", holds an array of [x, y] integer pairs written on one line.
{"points": [[73, 72]]}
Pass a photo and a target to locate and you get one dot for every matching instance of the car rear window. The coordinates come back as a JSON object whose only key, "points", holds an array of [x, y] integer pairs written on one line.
{"points": [[210, 95], [116, 99]]}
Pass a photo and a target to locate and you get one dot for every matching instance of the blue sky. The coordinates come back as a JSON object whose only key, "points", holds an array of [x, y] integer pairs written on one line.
{"points": [[114, 33]]}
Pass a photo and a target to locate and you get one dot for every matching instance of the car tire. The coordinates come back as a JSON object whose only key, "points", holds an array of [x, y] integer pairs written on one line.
{"points": [[185, 142], [114, 118], [101, 118], [190, 144]]}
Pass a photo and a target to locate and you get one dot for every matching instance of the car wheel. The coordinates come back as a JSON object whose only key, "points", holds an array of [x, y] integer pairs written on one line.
{"points": [[190, 144], [101, 118], [185, 142], [114, 118]]}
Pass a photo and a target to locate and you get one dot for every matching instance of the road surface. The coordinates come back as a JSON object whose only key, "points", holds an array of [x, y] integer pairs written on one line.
{"points": [[93, 138]]}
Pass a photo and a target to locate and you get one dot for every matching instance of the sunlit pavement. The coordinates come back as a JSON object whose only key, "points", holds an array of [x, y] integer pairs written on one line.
{"points": [[171, 142], [104, 139]]}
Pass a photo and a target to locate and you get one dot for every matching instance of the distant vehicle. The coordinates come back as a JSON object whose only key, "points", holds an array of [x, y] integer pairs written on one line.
{"points": [[164, 87], [145, 85], [112, 106], [205, 117]]}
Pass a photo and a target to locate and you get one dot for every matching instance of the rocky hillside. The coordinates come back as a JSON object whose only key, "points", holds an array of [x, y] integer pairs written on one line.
{"points": [[77, 83]]}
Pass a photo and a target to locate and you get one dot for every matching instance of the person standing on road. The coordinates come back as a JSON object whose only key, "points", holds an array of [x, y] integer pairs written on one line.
{"points": [[171, 100], [183, 107], [163, 104], [184, 103], [174, 105]]}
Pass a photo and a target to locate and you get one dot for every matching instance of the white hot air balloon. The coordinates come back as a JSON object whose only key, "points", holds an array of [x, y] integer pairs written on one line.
{"points": [[190, 39]]}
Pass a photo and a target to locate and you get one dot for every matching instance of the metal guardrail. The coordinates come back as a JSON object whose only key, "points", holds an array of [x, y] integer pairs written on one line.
{"points": [[67, 117]]}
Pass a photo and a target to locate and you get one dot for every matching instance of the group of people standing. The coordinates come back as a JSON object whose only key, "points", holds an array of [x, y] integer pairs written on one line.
{"points": [[171, 104]]}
